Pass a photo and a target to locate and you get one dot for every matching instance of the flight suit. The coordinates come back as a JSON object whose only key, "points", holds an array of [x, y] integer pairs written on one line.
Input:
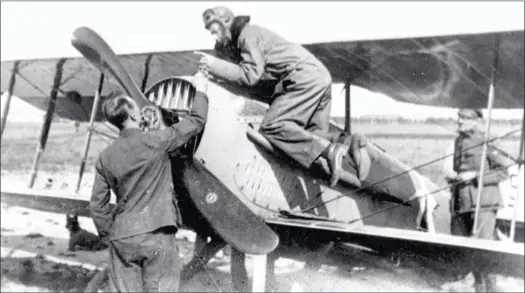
{"points": [[141, 230], [298, 117], [468, 150]]}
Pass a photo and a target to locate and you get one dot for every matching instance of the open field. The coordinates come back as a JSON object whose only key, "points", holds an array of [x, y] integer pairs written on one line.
{"points": [[34, 244], [412, 143]]}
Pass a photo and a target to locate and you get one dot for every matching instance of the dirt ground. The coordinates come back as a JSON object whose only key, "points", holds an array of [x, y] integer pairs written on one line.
{"points": [[34, 258]]}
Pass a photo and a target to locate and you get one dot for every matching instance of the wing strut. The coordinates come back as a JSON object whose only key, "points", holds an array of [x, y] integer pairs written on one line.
{"points": [[94, 110], [487, 132], [520, 166], [48, 119], [348, 105], [9, 94]]}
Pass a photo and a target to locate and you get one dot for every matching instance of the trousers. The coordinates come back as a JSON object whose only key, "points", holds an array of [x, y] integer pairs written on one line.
{"points": [[146, 262], [297, 120], [462, 225]]}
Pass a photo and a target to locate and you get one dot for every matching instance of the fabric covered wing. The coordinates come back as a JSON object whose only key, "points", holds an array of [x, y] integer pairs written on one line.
{"points": [[34, 80], [446, 71]]}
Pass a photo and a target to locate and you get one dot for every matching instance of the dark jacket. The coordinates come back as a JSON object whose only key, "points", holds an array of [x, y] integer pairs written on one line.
{"points": [[465, 194], [258, 54], [136, 167]]}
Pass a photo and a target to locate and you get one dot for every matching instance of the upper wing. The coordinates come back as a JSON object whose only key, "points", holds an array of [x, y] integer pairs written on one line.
{"points": [[35, 79], [446, 71]]}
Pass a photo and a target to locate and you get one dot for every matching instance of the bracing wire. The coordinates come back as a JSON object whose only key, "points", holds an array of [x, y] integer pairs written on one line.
{"points": [[55, 102], [45, 96], [423, 196], [407, 171], [359, 57]]}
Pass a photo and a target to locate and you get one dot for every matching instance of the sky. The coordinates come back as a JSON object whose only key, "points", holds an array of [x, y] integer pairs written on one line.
{"points": [[43, 30]]}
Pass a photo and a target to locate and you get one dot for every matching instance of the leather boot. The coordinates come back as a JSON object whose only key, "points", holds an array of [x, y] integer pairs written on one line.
{"points": [[360, 160], [334, 155], [360, 155]]}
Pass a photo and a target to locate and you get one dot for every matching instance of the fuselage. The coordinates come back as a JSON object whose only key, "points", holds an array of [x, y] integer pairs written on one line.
{"points": [[268, 182]]}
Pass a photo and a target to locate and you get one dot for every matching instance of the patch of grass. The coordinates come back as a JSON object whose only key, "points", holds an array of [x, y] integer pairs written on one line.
{"points": [[415, 152], [63, 151], [412, 143]]}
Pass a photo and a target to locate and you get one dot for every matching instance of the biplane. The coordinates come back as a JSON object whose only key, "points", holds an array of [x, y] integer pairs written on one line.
{"points": [[392, 209]]}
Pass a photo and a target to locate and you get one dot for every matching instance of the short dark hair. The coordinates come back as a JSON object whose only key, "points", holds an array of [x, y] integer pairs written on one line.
{"points": [[116, 109]]}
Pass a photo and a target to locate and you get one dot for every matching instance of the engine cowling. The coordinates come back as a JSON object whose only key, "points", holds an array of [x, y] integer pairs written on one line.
{"points": [[173, 99]]}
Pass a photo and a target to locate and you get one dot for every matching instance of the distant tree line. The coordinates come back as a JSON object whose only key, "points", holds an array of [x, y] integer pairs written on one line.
{"points": [[431, 120]]}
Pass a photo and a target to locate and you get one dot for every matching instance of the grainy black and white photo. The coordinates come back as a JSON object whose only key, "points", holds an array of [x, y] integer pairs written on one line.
{"points": [[300, 146]]}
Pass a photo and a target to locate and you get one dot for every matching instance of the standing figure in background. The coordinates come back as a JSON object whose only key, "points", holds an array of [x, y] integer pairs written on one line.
{"points": [[462, 170]]}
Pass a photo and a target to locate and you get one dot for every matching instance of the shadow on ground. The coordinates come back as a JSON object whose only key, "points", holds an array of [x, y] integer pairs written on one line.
{"points": [[41, 273], [344, 269], [344, 265]]}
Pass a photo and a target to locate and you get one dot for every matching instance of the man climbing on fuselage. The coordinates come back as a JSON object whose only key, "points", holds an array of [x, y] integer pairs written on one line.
{"points": [[298, 118]]}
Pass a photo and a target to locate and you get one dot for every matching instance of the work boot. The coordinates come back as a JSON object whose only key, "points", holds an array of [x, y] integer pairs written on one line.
{"points": [[334, 155], [360, 155], [360, 160]]}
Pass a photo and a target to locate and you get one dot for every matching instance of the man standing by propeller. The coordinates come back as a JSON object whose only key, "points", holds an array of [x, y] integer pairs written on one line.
{"points": [[136, 167], [298, 118]]}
